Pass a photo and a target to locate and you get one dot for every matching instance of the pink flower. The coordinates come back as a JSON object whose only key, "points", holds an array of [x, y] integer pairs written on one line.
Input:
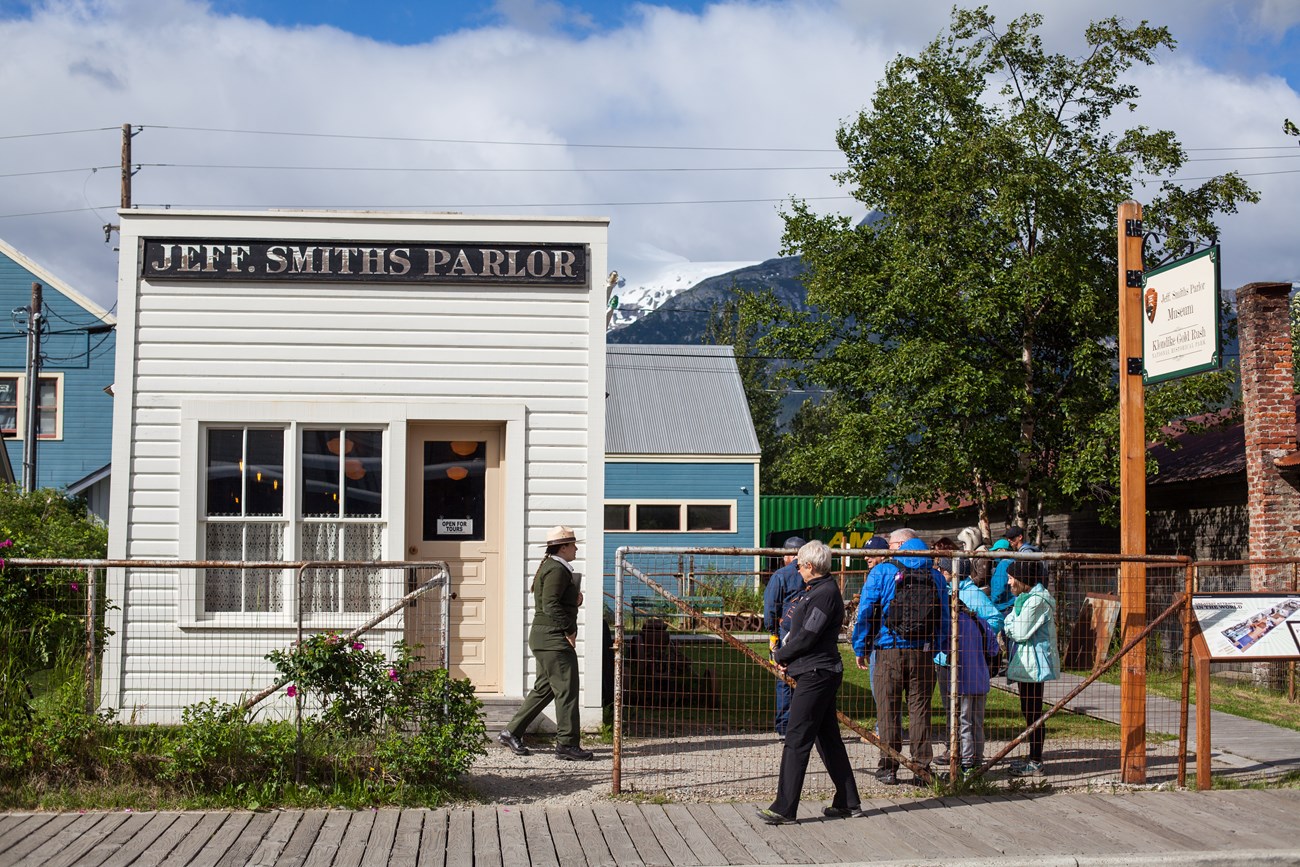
{"points": [[75, 586], [357, 645], [291, 691], [6, 543], [392, 674]]}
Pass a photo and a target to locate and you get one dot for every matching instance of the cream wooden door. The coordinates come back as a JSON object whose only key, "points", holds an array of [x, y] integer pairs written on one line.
{"points": [[453, 489]]}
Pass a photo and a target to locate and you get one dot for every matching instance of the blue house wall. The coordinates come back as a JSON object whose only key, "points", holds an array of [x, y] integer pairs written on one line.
{"points": [[687, 481], [85, 360]]}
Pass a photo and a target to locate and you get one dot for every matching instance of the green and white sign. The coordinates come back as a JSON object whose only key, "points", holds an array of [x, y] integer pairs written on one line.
{"points": [[1180, 325]]}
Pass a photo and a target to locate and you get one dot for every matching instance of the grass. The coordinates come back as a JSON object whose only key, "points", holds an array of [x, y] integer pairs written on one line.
{"points": [[1227, 695], [746, 700]]}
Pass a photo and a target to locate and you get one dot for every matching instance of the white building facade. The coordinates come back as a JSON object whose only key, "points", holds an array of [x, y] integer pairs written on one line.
{"points": [[348, 386]]}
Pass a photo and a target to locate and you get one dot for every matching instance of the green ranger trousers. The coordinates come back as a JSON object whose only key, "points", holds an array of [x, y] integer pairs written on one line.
{"points": [[557, 679]]}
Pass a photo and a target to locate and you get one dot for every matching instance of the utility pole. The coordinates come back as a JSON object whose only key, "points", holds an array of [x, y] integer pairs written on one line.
{"points": [[126, 166], [33, 389]]}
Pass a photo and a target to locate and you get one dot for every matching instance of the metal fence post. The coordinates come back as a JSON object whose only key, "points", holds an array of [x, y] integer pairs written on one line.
{"points": [[617, 772], [92, 694]]}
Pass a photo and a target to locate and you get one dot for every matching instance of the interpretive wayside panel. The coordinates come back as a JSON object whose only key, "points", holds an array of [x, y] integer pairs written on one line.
{"points": [[1240, 626], [1180, 322]]}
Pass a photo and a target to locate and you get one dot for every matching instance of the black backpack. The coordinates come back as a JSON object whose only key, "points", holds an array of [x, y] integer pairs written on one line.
{"points": [[913, 614]]}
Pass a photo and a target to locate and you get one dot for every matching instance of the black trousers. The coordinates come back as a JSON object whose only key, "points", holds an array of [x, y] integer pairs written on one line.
{"points": [[813, 722], [1031, 705]]}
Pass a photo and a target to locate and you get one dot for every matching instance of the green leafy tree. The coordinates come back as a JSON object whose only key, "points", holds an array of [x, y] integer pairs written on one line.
{"points": [[737, 325], [42, 611], [966, 336]]}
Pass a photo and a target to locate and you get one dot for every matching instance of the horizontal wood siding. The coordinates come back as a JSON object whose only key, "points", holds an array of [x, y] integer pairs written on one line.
{"points": [[685, 481]]}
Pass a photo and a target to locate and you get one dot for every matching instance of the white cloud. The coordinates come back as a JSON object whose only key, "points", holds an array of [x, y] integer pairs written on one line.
{"points": [[758, 75]]}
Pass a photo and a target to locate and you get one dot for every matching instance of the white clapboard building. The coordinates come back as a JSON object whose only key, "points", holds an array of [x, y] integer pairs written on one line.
{"points": [[348, 386]]}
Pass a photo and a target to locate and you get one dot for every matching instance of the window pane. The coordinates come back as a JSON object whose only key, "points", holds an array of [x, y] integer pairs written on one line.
{"points": [[455, 476], [225, 450], [47, 422], [658, 517], [618, 517], [320, 473], [222, 588], [264, 482], [708, 518], [9, 404], [49, 396], [363, 469]]}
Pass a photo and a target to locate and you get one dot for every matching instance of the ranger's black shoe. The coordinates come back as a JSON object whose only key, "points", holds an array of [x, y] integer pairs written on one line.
{"points": [[509, 741], [573, 754]]}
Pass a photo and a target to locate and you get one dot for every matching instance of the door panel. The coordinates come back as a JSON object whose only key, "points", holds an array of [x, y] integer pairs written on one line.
{"points": [[454, 484]]}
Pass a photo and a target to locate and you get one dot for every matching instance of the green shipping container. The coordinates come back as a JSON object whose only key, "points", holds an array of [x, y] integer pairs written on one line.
{"points": [[831, 519]]}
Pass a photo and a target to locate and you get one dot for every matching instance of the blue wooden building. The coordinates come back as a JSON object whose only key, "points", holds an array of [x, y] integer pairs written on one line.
{"points": [[681, 455], [74, 412]]}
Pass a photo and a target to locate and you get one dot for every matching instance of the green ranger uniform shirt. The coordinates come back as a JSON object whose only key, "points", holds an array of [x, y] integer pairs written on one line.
{"points": [[555, 607]]}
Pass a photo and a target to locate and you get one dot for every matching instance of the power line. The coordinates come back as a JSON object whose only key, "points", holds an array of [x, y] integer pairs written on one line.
{"points": [[57, 132], [56, 171], [478, 170], [63, 211], [502, 205], [541, 144]]}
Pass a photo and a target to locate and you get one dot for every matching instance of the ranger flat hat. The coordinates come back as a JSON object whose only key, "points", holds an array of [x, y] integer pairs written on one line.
{"points": [[560, 535]]}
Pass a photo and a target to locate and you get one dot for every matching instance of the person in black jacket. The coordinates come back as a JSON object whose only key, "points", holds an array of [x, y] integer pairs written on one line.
{"points": [[810, 655]]}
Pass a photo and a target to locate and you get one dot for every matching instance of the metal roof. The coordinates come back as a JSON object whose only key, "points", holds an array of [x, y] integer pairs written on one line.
{"points": [[675, 400]]}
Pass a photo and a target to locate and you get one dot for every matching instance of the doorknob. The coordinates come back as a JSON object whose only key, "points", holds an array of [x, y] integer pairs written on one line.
{"points": [[411, 550], [453, 594]]}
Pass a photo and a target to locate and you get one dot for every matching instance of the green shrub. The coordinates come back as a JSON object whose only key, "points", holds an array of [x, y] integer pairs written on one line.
{"points": [[351, 686], [218, 746], [435, 731]]}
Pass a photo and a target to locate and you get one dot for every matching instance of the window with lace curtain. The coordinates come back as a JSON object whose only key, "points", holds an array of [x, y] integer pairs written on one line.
{"points": [[245, 518], [338, 480], [342, 517]]}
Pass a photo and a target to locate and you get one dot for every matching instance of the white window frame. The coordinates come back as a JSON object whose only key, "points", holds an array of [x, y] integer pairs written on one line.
{"points": [[21, 419], [681, 504], [194, 495]]}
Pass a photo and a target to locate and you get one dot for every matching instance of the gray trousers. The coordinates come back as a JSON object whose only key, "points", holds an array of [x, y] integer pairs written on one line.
{"points": [[970, 729]]}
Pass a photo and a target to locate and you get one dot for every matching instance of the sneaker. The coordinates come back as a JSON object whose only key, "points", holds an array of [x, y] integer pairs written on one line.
{"points": [[512, 743], [772, 817], [887, 776], [573, 754], [1027, 769], [841, 812]]}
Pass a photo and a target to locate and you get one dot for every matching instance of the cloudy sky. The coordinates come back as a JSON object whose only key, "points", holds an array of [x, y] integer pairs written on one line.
{"points": [[688, 123]]}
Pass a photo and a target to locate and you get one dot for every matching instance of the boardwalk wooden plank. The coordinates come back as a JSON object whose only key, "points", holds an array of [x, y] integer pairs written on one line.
{"points": [[139, 830], [302, 840], [276, 838], [216, 846], [353, 844], [675, 847], [249, 840], [952, 819], [460, 836], [564, 836], [433, 840], [720, 835], [1245, 830], [18, 827], [539, 837], [141, 841], [380, 844], [592, 841], [487, 842], [179, 830], [70, 853], [57, 833], [1173, 839], [651, 850], [322, 850], [616, 836], [900, 834], [685, 823], [406, 839], [879, 835], [510, 831], [1100, 814], [1232, 809], [758, 850], [1001, 818], [803, 843], [1072, 832]]}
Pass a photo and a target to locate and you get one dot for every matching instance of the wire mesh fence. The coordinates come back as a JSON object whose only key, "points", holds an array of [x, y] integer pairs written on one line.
{"points": [[135, 643], [697, 696]]}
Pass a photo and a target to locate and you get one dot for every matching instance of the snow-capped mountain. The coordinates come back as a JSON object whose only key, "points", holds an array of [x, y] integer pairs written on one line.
{"points": [[646, 288]]}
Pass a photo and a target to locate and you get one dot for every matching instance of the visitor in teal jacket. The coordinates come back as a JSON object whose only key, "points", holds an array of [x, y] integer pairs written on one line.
{"points": [[1035, 659]]}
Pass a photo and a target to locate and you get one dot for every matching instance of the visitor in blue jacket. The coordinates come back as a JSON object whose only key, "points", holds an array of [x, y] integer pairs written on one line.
{"points": [[784, 585], [979, 605], [903, 668]]}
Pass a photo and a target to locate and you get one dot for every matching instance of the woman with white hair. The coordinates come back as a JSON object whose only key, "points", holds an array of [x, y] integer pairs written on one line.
{"points": [[810, 655]]}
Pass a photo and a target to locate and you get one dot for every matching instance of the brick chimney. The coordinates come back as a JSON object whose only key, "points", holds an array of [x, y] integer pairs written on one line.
{"points": [[1268, 392]]}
